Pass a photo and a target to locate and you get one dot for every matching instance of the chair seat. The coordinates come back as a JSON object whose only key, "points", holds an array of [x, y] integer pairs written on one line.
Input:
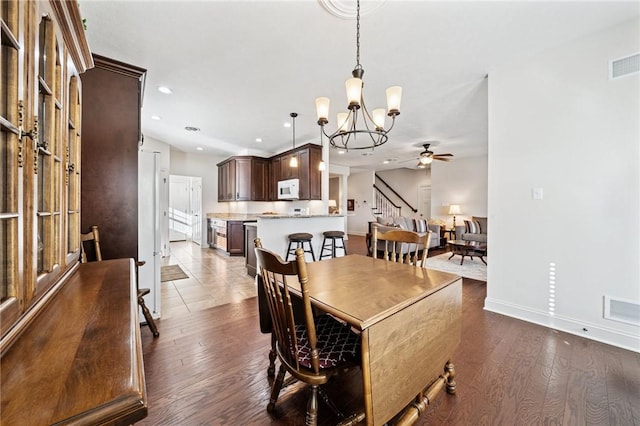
{"points": [[333, 234], [300, 236], [336, 343]]}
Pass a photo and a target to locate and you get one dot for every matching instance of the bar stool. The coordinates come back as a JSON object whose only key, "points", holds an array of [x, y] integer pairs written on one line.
{"points": [[299, 239], [331, 237]]}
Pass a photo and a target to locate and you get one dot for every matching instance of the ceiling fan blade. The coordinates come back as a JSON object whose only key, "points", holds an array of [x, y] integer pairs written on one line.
{"points": [[442, 159], [409, 159], [444, 155]]}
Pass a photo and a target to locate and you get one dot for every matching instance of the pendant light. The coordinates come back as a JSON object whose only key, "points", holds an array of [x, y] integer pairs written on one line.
{"points": [[294, 156]]}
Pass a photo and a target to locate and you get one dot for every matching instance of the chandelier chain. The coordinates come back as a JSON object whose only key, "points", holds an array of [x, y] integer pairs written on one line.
{"points": [[358, 35]]}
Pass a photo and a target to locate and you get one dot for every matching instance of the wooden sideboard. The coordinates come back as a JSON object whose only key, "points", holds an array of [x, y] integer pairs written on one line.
{"points": [[79, 361]]}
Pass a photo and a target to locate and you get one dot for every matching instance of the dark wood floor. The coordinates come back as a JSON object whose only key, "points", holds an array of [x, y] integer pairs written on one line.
{"points": [[209, 368]]}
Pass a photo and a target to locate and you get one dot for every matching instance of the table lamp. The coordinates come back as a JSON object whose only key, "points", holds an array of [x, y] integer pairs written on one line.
{"points": [[332, 206], [454, 209]]}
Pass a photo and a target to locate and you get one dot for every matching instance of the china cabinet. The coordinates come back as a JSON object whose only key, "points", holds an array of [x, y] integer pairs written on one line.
{"points": [[41, 128]]}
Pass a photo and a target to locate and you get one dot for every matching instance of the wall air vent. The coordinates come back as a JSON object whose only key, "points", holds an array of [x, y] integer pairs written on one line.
{"points": [[624, 66], [627, 311]]}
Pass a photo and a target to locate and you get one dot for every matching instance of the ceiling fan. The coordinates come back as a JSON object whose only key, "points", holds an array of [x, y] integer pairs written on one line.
{"points": [[427, 156]]}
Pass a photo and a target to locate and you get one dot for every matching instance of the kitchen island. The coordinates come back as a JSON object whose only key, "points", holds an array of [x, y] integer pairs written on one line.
{"points": [[274, 229]]}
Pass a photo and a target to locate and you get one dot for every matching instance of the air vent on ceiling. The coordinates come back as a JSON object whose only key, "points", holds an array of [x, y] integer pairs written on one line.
{"points": [[625, 66]]}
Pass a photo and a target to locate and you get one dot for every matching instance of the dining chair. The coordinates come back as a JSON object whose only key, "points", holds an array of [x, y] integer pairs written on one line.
{"points": [[400, 245], [94, 235], [311, 350]]}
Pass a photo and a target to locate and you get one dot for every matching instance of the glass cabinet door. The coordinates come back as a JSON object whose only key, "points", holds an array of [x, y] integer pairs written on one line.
{"points": [[10, 161]]}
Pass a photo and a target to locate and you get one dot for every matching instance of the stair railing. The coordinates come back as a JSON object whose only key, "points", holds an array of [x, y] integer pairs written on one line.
{"points": [[413, 209], [384, 206]]}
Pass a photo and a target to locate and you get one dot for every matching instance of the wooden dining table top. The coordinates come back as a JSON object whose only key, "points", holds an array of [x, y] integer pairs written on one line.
{"points": [[362, 290]]}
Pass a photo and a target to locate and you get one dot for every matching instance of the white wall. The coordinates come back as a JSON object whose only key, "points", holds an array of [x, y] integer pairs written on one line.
{"points": [[558, 123], [360, 188], [462, 181], [153, 145]]}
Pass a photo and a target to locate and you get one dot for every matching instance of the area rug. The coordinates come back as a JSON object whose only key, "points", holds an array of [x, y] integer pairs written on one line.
{"points": [[172, 273], [470, 268]]}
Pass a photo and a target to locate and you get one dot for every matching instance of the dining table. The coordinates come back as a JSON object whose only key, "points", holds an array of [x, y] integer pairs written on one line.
{"points": [[409, 320]]}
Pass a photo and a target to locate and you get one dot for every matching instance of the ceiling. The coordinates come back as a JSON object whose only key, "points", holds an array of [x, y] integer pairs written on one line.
{"points": [[237, 69]]}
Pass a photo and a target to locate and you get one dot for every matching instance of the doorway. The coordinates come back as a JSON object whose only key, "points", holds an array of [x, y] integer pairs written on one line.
{"points": [[185, 208], [424, 201]]}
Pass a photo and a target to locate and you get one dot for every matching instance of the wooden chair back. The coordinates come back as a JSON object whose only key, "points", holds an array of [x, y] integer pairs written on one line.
{"points": [[276, 275], [401, 245], [90, 236]]}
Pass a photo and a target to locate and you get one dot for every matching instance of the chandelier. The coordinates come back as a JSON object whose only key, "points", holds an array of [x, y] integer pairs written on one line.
{"points": [[359, 129]]}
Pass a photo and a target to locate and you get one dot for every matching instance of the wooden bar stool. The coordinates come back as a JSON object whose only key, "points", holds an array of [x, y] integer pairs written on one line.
{"points": [[331, 237], [299, 239]]}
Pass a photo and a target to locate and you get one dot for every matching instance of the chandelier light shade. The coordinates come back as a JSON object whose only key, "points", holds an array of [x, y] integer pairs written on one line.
{"points": [[357, 128]]}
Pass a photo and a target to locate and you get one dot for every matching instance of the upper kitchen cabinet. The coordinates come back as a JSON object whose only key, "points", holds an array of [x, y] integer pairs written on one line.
{"points": [[43, 53], [308, 171], [243, 178]]}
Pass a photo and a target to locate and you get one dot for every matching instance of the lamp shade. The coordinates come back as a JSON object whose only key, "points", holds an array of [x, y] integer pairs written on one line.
{"points": [[394, 97], [454, 209], [322, 108], [343, 121], [332, 203], [354, 91], [379, 114]]}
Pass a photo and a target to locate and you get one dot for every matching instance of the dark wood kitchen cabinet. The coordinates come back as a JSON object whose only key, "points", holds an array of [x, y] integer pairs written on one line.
{"points": [[308, 172], [243, 178], [259, 179], [235, 238], [249, 178]]}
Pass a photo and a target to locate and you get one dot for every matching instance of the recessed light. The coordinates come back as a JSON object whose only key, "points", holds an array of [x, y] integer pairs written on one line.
{"points": [[165, 90], [200, 148], [287, 124], [385, 162], [192, 129], [258, 139], [156, 117], [341, 152]]}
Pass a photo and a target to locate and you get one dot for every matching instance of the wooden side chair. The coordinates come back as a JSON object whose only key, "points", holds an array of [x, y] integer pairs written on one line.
{"points": [[401, 245], [312, 350], [94, 236]]}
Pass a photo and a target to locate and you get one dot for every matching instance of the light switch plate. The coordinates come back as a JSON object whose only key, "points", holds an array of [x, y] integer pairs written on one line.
{"points": [[537, 193]]}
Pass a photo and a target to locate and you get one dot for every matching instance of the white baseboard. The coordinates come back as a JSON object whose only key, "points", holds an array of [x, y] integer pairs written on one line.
{"points": [[569, 325]]}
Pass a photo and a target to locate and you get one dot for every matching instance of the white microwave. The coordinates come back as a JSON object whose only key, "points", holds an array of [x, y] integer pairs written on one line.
{"points": [[288, 189]]}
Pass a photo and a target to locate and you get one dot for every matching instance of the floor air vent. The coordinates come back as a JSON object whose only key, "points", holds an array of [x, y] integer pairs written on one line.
{"points": [[622, 310], [625, 66]]}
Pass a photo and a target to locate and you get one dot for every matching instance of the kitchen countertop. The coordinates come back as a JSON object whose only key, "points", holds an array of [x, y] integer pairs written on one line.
{"points": [[296, 216], [255, 216], [233, 216]]}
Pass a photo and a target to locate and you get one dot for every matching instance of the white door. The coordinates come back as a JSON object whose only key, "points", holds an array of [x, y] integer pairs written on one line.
{"points": [[424, 201], [149, 229], [196, 210], [179, 209], [165, 248]]}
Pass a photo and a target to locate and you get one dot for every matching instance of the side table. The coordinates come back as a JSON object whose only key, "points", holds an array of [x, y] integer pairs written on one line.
{"points": [[451, 232]]}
